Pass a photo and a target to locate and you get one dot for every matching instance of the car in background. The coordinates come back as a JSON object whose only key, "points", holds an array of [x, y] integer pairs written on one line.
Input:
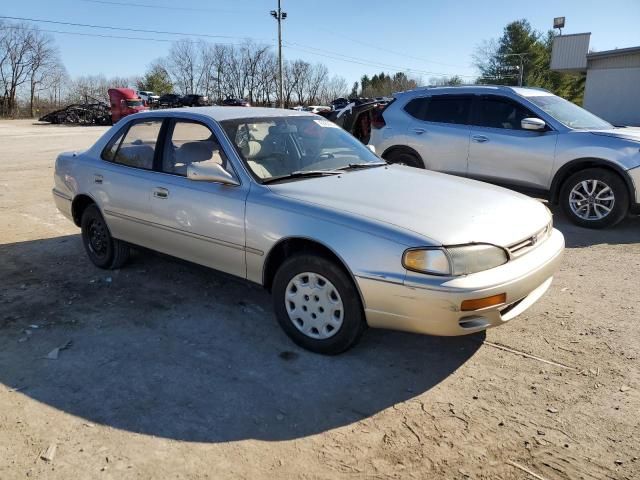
{"points": [[148, 96], [317, 109], [170, 100], [292, 202], [522, 137], [194, 100], [235, 102]]}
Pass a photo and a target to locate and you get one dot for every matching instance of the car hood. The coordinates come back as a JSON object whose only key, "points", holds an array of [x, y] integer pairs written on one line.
{"points": [[447, 210], [623, 133]]}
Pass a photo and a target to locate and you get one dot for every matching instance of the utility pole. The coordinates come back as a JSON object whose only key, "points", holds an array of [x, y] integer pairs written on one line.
{"points": [[521, 67], [279, 15]]}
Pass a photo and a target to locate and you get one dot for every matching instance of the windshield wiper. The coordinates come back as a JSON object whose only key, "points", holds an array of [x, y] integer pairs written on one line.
{"points": [[362, 165], [302, 173]]}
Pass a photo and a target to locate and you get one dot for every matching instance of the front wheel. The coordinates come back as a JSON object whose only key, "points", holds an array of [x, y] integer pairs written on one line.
{"points": [[317, 304], [102, 249], [595, 198]]}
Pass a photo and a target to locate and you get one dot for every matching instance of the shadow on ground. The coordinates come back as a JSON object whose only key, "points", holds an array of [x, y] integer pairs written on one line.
{"points": [[170, 349], [626, 232]]}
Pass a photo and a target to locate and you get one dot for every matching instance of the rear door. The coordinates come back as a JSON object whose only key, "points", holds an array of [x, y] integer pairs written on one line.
{"points": [[122, 183], [439, 131], [502, 151], [199, 221]]}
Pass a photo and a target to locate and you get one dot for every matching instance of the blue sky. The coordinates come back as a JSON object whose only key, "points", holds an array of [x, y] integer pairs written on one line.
{"points": [[429, 37]]}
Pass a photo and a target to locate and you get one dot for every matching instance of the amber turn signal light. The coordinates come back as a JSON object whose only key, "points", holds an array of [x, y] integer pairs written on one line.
{"points": [[478, 303]]}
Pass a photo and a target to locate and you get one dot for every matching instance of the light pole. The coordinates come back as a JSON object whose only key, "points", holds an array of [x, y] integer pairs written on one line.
{"points": [[279, 15], [521, 67]]}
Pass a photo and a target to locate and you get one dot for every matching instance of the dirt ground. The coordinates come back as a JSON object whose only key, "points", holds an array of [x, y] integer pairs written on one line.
{"points": [[175, 371]]}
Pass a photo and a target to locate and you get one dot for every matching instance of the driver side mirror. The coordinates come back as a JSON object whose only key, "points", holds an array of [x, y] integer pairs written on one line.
{"points": [[210, 172], [534, 124]]}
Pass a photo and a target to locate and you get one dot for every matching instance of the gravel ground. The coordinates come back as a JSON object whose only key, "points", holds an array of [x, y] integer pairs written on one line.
{"points": [[174, 371]]}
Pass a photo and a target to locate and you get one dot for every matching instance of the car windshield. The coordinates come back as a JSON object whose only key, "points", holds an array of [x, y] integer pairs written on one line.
{"points": [[568, 113], [134, 103], [288, 146]]}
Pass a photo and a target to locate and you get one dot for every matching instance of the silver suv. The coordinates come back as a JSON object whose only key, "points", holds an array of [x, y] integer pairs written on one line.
{"points": [[522, 137]]}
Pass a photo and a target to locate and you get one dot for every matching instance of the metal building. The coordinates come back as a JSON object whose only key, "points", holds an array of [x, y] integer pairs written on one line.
{"points": [[612, 89]]}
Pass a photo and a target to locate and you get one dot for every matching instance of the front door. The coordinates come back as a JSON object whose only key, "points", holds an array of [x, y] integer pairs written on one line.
{"points": [[502, 151], [199, 221], [439, 131]]}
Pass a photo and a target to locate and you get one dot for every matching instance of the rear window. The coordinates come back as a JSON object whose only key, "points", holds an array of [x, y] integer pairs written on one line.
{"points": [[441, 109]]}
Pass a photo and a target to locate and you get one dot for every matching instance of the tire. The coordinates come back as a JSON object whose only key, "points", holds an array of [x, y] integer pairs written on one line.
{"points": [[595, 198], [103, 250], [312, 293], [403, 157]]}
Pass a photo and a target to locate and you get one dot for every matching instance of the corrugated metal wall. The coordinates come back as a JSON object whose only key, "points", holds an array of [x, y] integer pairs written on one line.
{"points": [[614, 94], [629, 60], [569, 52]]}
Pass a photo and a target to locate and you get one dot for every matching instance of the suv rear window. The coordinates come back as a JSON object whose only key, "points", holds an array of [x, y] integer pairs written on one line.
{"points": [[441, 109]]}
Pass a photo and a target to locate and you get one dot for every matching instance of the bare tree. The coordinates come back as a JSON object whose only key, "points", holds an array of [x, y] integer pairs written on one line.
{"points": [[43, 60], [317, 78], [182, 65], [301, 73], [15, 45]]}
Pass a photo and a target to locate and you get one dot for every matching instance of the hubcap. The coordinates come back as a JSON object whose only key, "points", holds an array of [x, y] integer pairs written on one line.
{"points": [[314, 305], [591, 200], [98, 238]]}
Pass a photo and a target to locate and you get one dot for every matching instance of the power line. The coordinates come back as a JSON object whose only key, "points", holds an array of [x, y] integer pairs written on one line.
{"points": [[382, 49], [100, 35], [165, 7], [292, 45], [346, 58], [124, 29]]}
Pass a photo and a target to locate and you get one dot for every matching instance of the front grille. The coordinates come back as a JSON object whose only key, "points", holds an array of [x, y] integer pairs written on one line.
{"points": [[523, 246]]}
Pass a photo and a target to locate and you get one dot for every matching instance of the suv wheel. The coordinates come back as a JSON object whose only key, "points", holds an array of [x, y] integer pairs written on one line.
{"points": [[403, 157], [595, 198], [317, 304]]}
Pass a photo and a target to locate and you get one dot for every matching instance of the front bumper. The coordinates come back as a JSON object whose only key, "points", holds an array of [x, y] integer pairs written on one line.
{"points": [[434, 309]]}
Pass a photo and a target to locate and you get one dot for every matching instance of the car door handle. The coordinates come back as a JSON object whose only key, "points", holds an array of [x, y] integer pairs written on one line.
{"points": [[97, 179], [419, 131], [160, 192], [479, 138]]}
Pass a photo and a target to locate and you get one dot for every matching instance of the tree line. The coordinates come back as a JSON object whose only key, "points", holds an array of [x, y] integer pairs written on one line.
{"points": [[248, 70]]}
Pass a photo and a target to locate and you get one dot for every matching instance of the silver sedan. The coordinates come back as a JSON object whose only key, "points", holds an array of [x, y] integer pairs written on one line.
{"points": [[292, 202]]}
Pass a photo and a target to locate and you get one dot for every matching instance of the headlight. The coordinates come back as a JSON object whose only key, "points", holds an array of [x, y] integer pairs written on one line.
{"points": [[461, 260]]}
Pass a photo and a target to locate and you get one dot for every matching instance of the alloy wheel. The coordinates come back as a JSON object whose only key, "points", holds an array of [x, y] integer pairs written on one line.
{"points": [[591, 199]]}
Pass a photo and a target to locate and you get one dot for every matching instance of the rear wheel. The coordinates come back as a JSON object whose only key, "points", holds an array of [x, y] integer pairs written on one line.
{"points": [[595, 198], [317, 304], [403, 157], [102, 249]]}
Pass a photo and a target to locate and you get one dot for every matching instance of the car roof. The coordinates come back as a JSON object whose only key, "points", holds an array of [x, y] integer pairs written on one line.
{"points": [[470, 89], [233, 113]]}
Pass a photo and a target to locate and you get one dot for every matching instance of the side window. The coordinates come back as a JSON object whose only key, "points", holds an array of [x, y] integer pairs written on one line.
{"points": [[448, 109], [417, 107], [496, 112], [138, 146], [109, 152], [188, 143], [441, 109]]}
